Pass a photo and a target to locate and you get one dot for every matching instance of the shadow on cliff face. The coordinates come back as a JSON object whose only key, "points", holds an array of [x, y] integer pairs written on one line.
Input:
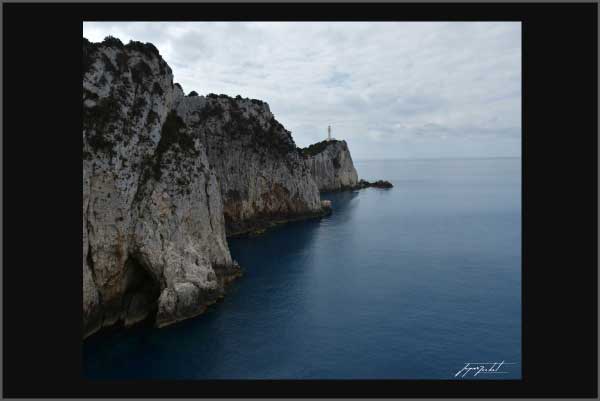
{"points": [[136, 306], [140, 301]]}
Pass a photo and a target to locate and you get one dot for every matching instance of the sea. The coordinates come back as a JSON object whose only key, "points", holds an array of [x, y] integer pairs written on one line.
{"points": [[421, 281]]}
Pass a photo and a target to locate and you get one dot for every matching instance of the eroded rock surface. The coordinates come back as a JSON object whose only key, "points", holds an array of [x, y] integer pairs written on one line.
{"points": [[262, 173], [165, 178], [153, 229], [331, 165]]}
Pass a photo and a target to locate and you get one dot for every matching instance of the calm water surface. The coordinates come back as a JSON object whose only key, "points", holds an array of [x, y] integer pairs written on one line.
{"points": [[407, 283]]}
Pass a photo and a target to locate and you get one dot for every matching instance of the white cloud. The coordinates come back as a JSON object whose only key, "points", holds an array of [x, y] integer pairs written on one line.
{"points": [[391, 89]]}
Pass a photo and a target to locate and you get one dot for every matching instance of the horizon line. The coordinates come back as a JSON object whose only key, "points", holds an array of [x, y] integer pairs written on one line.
{"points": [[441, 158]]}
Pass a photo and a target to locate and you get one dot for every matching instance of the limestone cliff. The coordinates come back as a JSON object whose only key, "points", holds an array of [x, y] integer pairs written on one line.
{"points": [[165, 178], [153, 228], [331, 165], [262, 173]]}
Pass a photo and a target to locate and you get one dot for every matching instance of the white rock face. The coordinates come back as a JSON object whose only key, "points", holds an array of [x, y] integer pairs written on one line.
{"points": [[164, 177], [262, 174], [331, 166], [153, 227]]}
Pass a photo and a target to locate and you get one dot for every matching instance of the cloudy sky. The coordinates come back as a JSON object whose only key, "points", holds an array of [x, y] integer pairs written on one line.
{"points": [[390, 89]]}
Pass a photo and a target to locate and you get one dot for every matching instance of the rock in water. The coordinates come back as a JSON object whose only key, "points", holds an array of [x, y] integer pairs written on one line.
{"points": [[326, 205], [375, 184], [153, 229], [331, 165]]}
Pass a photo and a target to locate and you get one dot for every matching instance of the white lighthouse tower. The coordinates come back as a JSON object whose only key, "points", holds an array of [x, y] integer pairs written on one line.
{"points": [[329, 132]]}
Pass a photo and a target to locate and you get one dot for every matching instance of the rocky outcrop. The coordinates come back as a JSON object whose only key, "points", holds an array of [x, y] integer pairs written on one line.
{"points": [[331, 166], [166, 177], [154, 241], [262, 173], [382, 184]]}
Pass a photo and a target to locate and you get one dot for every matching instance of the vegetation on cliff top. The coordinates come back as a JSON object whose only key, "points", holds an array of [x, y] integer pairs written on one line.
{"points": [[317, 148], [275, 137], [147, 49]]}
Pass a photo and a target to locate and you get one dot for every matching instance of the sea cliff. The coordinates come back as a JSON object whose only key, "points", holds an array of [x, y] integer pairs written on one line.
{"points": [[331, 166], [168, 177], [261, 172], [153, 227]]}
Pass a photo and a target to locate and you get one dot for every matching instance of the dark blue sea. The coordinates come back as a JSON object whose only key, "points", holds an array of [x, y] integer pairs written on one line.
{"points": [[408, 283]]}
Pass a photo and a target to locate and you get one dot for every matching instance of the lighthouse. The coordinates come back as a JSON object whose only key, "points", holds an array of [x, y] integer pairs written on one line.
{"points": [[329, 132]]}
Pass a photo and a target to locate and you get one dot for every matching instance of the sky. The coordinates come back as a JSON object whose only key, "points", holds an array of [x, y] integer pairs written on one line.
{"points": [[392, 90]]}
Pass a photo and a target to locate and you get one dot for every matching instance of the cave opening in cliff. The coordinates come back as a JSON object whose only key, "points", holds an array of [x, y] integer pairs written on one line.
{"points": [[140, 301]]}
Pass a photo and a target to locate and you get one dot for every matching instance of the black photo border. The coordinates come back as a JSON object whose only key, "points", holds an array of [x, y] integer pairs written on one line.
{"points": [[42, 199]]}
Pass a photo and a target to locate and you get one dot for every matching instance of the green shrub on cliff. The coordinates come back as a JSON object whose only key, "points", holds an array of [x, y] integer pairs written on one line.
{"points": [[147, 49], [140, 71], [88, 50], [173, 137], [111, 41], [99, 117], [317, 148], [156, 89]]}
